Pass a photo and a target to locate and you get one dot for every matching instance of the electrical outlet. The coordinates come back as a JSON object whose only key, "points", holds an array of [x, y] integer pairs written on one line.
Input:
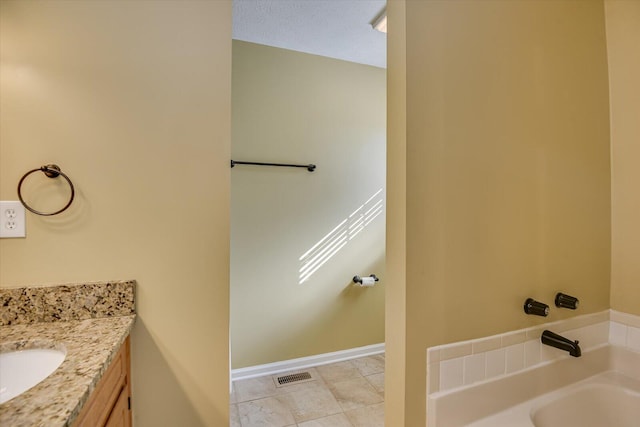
{"points": [[12, 219]]}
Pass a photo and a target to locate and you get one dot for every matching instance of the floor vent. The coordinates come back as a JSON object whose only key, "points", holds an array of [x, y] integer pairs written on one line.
{"points": [[288, 379]]}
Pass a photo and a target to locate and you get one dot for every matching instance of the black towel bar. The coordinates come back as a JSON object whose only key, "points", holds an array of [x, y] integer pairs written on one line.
{"points": [[309, 167]]}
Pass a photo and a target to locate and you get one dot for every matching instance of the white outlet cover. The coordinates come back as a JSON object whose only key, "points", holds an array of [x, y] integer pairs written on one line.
{"points": [[12, 219]]}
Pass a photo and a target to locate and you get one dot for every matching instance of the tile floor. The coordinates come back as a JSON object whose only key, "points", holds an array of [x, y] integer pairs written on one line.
{"points": [[344, 394]]}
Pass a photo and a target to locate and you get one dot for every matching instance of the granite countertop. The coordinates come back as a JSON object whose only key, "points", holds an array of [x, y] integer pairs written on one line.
{"points": [[90, 344]]}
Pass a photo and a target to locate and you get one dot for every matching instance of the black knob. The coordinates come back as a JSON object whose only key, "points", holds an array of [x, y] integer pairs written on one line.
{"points": [[566, 301], [537, 308]]}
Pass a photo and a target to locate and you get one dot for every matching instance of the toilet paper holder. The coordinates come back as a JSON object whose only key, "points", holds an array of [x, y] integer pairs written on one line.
{"points": [[358, 279]]}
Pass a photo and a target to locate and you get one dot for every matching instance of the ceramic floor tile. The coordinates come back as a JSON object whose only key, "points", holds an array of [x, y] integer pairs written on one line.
{"points": [[268, 412], [377, 381], [340, 371], [315, 401], [367, 416], [255, 388], [338, 420], [355, 393], [234, 416], [339, 395], [261, 387], [369, 365]]}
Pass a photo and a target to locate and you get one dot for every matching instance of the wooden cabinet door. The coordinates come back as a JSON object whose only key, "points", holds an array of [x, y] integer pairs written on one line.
{"points": [[120, 415], [106, 399]]}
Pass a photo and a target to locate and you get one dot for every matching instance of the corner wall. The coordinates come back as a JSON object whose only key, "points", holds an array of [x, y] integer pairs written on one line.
{"points": [[299, 237], [623, 39], [507, 170], [396, 237], [132, 100]]}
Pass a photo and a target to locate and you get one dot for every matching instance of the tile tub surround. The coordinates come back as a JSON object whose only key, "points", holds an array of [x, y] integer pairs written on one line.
{"points": [[464, 363], [456, 367], [67, 302], [348, 393], [624, 330], [89, 321], [500, 402]]}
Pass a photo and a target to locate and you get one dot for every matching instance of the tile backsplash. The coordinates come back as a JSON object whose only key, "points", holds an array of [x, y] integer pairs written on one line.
{"points": [[460, 364]]}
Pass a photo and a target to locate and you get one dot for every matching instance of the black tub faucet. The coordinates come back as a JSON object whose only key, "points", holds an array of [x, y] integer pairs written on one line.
{"points": [[557, 341]]}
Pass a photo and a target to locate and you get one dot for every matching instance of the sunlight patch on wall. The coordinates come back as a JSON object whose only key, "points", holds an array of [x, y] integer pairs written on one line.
{"points": [[336, 239]]}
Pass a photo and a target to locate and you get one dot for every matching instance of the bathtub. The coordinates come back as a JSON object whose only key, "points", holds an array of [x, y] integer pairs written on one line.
{"points": [[609, 399], [599, 389]]}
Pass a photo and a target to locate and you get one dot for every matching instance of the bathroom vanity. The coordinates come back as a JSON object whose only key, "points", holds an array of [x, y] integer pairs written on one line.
{"points": [[110, 403], [91, 324]]}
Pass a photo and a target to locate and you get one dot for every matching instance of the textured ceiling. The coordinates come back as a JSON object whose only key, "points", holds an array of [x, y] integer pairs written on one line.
{"points": [[335, 28]]}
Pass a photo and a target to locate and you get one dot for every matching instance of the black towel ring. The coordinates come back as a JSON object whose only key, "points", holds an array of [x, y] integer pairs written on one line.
{"points": [[51, 171]]}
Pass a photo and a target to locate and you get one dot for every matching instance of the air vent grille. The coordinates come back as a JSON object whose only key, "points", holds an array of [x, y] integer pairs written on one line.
{"points": [[288, 379]]}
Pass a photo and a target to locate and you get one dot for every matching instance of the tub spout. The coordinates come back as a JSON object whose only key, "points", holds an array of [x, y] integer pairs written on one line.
{"points": [[557, 341]]}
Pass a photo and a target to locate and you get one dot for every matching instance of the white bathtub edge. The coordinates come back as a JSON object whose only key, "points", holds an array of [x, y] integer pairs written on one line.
{"points": [[485, 399]]}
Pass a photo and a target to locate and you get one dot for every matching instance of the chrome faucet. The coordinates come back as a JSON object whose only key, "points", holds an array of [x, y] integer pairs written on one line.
{"points": [[557, 341]]}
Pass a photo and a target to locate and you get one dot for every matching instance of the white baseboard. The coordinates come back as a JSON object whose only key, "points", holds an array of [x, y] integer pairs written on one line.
{"points": [[305, 362]]}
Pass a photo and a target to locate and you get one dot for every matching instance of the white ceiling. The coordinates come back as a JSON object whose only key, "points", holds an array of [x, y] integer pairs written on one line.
{"points": [[335, 28]]}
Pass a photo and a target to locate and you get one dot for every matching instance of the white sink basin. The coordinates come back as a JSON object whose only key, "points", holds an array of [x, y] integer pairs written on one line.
{"points": [[592, 405], [23, 369]]}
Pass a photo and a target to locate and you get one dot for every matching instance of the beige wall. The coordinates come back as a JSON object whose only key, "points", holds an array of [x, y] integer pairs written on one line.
{"points": [[507, 170], [291, 107], [132, 100], [396, 240], [623, 39]]}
